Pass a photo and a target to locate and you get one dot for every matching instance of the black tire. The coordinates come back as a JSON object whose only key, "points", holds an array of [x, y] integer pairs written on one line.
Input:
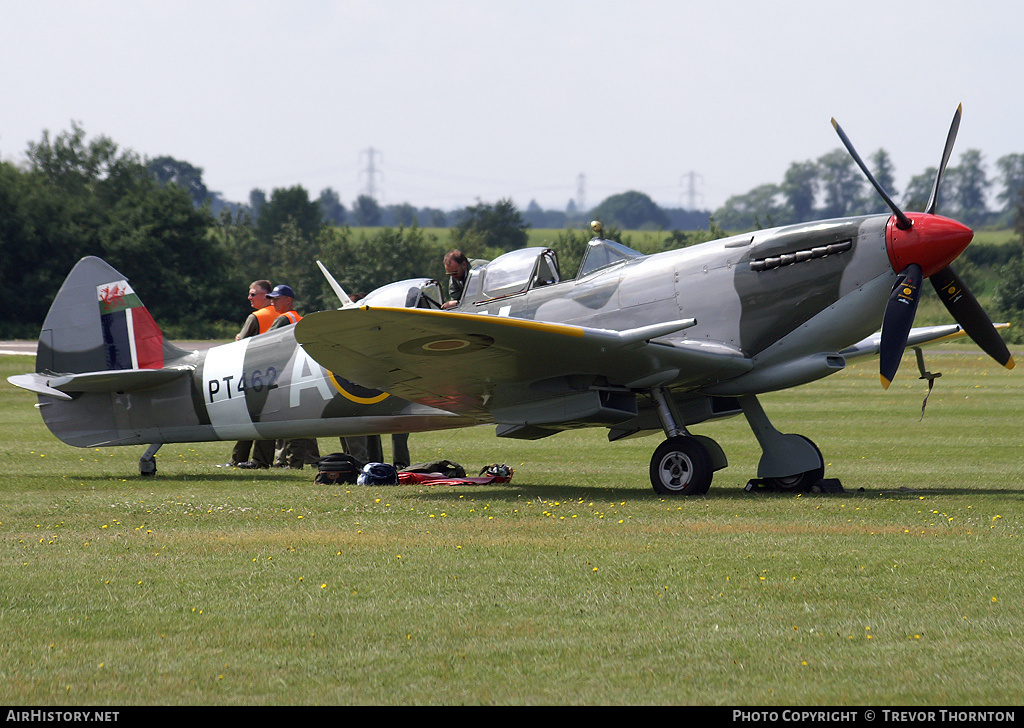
{"points": [[801, 482], [681, 466]]}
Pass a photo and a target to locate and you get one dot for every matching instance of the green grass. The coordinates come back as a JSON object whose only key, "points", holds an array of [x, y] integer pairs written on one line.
{"points": [[574, 584], [996, 237]]}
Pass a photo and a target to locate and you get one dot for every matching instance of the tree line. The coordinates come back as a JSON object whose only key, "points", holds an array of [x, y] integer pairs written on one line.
{"points": [[191, 254], [833, 186], [191, 260]]}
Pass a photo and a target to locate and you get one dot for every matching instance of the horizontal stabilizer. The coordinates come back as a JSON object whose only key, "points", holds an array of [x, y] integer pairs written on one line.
{"points": [[62, 386]]}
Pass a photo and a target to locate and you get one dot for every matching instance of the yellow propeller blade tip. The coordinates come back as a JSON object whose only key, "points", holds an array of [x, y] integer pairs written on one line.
{"points": [[1010, 364], [885, 382]]}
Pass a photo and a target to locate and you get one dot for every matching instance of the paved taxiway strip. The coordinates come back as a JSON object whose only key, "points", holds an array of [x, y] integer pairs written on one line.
{"points": [[28, 348]]}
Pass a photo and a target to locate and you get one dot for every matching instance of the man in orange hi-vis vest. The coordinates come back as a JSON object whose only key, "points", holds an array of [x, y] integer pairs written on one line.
{"points": [[283, 299], [258, 322], [263, 315]]}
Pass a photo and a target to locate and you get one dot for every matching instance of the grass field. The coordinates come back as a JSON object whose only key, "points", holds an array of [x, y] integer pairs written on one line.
{"points": [[574, 584], [996, 237]]}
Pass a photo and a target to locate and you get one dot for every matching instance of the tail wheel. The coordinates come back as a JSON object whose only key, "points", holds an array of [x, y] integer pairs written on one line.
{"points": [[681, 466]]}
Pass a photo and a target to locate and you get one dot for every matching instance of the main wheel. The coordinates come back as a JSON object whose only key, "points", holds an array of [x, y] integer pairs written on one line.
{"points": [[801, 481], [681, 466]]}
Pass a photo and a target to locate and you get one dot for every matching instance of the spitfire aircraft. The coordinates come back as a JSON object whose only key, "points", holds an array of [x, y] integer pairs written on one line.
{"points": [[638, 344]]}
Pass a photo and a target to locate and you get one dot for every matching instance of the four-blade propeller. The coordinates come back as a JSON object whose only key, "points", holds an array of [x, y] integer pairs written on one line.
{"points": [[916, 242]]}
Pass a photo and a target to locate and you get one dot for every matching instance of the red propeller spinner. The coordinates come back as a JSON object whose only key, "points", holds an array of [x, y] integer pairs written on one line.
{"points": [[932, 241]]}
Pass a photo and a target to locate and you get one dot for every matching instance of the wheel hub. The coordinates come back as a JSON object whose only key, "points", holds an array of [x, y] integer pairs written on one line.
{"points": [[676, 470]]}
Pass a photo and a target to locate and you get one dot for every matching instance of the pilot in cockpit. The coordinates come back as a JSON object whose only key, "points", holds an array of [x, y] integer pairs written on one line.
{"points": [[456, 265]]}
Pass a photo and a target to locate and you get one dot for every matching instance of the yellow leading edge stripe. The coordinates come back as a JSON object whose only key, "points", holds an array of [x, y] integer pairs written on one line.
{"points": [[475, 317]]}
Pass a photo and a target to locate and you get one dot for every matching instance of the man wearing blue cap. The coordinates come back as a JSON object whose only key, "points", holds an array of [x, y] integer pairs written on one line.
{"points": [[290, 453], [283, 300]]}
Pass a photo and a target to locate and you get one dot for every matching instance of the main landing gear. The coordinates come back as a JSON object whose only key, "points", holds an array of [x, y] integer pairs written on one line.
{"points": [[788, 462], [681, 466], [684, 464]]}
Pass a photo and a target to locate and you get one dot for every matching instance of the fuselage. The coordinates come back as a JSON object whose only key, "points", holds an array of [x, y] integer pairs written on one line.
{"points": [[774, 296], [262, 388]]}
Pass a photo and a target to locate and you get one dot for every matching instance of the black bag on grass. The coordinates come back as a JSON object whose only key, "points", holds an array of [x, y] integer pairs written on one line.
{"points": [[337, 467]]}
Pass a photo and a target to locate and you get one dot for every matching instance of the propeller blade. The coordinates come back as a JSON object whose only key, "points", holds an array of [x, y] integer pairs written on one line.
{"points": [[898, 320], [903, 222], [970, 315], [902, 304], [933, 199]]}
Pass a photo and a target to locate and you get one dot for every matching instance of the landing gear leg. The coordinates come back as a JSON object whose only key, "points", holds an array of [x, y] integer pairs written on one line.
{"points": [[788, 462], [683, 464], [147, 463]]}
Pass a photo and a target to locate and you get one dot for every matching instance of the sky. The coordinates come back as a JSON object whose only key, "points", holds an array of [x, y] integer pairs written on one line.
{"points": [[447, 103]]}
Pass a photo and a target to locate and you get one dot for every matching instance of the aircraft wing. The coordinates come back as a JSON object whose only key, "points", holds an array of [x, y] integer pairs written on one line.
{"points": [[920, 336], [475, 363]]}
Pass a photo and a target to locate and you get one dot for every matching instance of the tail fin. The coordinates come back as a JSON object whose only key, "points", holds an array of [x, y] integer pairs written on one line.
{"points": [[98, 323]]}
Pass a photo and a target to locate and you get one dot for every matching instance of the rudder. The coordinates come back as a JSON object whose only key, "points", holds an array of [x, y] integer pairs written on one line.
{"points": [[98, 323]]}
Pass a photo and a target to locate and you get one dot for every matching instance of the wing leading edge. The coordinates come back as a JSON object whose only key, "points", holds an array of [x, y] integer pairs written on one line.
{"points": [[475, 364], [920, 336]]}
